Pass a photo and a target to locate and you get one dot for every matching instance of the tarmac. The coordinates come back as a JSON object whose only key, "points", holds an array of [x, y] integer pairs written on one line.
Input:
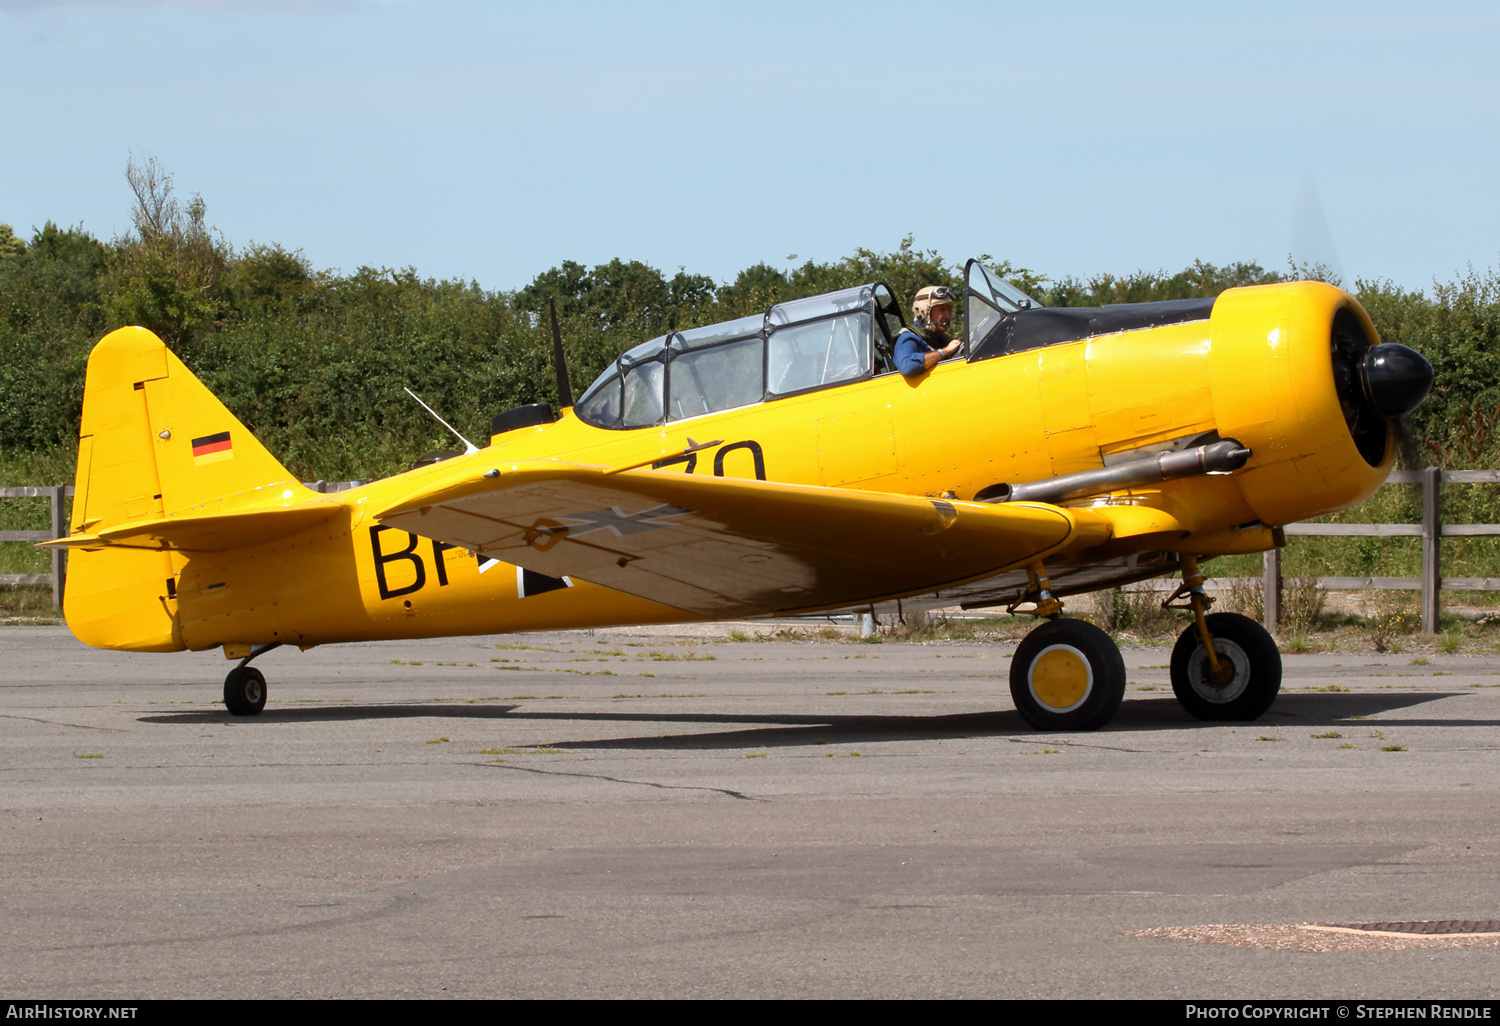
{"points": [[671, 813]]}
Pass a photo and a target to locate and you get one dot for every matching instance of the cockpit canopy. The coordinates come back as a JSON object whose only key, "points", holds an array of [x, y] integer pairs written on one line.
{"points": [[987, 299], [793, 347]]}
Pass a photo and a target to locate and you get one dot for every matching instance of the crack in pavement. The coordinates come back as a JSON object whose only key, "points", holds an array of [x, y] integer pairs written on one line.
{"points": [[1032, 740], [60, 723], [619, 780]]}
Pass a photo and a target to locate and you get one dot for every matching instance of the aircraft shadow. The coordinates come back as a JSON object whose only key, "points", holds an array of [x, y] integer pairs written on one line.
{"points": [[784, 731], [1135, 715], [324, 713]]}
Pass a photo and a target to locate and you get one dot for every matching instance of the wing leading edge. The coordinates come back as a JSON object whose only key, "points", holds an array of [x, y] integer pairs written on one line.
{"points": [[724, 547]]}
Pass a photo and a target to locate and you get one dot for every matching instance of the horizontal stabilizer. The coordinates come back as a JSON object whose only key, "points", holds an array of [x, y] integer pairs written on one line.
{"points": [[718, 546], [210, 533]]}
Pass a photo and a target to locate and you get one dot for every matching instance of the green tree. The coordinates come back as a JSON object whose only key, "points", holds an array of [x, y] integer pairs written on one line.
{"points": [[10, 246], [50, 314], [166, 274], [1200, 281]]}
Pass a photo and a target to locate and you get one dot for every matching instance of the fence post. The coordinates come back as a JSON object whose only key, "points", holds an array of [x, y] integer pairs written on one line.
{"points": [[59, 530], [1432, 504], [1270, 589]]}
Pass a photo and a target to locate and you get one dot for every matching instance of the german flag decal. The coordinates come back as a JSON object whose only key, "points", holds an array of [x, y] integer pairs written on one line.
{"points": [[212, 448]]}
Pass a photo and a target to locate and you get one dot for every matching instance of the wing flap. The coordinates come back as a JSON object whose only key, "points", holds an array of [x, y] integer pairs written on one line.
{"points": [[726, 546]]}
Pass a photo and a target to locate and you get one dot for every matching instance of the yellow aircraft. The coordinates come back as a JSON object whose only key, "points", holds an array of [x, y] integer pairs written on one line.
{"points": [[773, 465]]}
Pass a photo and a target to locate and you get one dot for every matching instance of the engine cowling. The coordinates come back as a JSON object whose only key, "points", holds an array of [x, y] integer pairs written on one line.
{"points": [[1298, 374]]}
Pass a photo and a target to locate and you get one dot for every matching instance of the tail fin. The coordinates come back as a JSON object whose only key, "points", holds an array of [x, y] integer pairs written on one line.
{"points": [[153, 443]]}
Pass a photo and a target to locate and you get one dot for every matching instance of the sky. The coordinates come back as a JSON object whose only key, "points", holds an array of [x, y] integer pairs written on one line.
{"points": [[491, 141]]}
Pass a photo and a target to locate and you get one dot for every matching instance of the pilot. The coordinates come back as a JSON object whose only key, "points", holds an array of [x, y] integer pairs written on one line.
{"points": [[921, 347]]}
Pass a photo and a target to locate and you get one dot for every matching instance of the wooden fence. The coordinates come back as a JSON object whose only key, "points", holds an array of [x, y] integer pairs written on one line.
{"points": [[57, 501], [1431, 530]]}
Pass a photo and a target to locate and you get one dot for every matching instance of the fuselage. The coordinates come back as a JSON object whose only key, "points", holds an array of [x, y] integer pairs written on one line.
{"points": [[1258, 370]]}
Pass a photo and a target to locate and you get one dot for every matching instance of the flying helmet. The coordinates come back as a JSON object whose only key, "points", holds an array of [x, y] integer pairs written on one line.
{"points": [[928, 297]]}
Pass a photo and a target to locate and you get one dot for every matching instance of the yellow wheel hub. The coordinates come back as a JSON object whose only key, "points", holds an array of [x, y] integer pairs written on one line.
{"points": [[1061, 678]]}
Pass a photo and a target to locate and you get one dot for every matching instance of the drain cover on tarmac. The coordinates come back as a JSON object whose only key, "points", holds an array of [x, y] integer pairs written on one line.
{"points": [[1420, 928], [1442, 933]]}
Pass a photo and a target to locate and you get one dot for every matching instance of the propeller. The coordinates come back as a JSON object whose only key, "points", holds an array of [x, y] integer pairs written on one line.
{"points": [[1380, 385]]}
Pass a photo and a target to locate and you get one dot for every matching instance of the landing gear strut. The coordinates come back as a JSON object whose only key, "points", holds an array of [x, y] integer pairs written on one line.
{"points": [[245, 686], [1067, 674], [1225, 666]]}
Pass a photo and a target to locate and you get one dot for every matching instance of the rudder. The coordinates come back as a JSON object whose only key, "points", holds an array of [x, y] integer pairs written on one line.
{"points": [[153, 442]]}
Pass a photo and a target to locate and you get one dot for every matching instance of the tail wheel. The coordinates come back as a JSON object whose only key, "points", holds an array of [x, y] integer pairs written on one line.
{"points": [[1067, 675], [245, 691], [1251, 667]]}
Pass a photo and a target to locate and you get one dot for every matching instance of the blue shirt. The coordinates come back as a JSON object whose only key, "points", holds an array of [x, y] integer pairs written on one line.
{"points": [[910, 348]]}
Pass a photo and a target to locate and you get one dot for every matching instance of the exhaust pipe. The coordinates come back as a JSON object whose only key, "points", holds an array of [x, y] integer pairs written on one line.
{"points": [[1217, 457]]}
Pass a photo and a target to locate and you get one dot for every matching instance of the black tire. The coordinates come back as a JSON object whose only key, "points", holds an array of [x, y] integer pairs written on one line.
{"points": [[1250, 651], [245, 691], [1067, 675]]}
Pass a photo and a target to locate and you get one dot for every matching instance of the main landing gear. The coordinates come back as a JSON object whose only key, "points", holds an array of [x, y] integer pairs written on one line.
{"points": [[1067, 675], [245, 686], [1225, 666]]}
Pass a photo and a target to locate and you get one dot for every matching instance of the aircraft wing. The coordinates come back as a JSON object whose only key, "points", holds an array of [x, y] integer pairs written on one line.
{"points": [[720, 547]]}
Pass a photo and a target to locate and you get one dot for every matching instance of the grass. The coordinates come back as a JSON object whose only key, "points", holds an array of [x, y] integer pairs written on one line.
{"points": [[27, 603], [1298, 643]]}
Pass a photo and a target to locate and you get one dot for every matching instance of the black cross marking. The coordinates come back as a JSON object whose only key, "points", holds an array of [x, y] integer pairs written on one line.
{"points": [[619, 522]]}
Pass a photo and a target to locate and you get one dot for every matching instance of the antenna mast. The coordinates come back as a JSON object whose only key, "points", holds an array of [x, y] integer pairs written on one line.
{"points": [[469, 447], [564, 388]]}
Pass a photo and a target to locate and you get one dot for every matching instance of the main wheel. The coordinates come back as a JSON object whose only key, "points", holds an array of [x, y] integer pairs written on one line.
{"points": [[1253, 674], [1067, 675], [245, 691]]}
